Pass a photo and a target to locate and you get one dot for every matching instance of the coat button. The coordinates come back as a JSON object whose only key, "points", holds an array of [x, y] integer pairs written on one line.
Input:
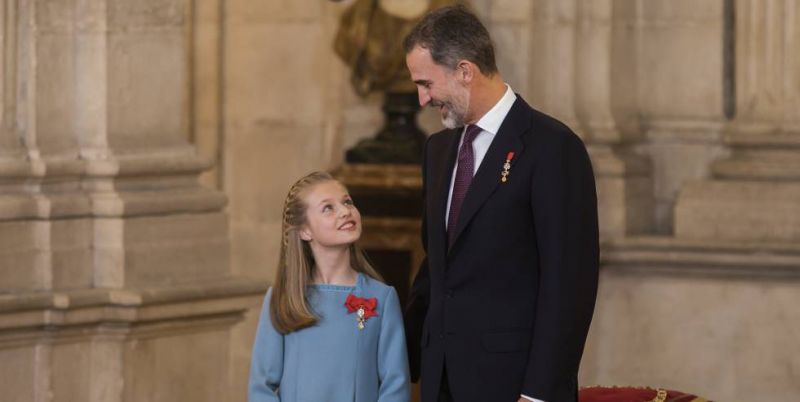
{"points": [[441, 335], [449, 294]]}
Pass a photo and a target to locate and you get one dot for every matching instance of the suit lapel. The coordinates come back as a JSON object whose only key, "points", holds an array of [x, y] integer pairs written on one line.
{"points": [[487, 178]]}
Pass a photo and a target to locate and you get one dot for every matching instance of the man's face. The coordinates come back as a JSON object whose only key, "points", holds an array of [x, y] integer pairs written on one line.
{"points": [[439, 87]]}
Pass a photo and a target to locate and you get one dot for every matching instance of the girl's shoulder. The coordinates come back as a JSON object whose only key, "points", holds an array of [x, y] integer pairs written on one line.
{"points": [[376, 288], [374, 285]]}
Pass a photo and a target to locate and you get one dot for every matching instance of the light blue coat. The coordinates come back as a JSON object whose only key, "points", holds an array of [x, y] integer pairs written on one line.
{"points": [[334, 361]]}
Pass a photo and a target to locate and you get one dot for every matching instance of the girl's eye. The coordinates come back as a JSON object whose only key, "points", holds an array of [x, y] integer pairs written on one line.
{"points": [[348, 202], [327, 208]]}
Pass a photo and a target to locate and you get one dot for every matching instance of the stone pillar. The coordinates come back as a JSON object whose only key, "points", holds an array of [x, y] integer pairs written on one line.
{"points": [[606, 106], [552, 60], [576, 60], [113, 259], [754, 194], [681, 95]]}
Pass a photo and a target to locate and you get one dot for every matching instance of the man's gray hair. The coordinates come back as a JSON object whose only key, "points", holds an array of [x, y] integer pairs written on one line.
{"points": [[452, 34]]}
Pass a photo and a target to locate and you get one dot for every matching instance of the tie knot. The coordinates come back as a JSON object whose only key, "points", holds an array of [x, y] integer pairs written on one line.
{"points": [[471, 133]]}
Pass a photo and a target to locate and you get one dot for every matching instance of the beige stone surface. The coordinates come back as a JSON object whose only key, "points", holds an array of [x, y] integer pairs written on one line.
{"points": [[175, 249], [147, 115], [17, 380], [55, 93], [679, 154], [756, 211], [679, 68], [551, 70], [71, 258], [242, 12], [255, 248], [276, 80], [153, 359], [723, 337], [23, 256]]}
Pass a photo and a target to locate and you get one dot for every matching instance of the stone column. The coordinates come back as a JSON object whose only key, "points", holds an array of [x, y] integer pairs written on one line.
{"points": [[576, 60], [113, 259], [754, 194], [606, 106], [551, 64]]}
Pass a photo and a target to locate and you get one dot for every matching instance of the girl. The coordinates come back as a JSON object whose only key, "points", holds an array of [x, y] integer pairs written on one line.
{"points": [[330, 330]]}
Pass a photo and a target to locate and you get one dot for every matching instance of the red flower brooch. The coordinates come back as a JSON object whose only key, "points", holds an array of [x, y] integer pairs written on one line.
{"points": [[364, 308]]}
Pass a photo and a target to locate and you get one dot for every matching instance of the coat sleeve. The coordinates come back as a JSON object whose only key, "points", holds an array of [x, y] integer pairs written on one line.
{"points": [[417, 307], [392, 355], [266, 366], [564, 206]]}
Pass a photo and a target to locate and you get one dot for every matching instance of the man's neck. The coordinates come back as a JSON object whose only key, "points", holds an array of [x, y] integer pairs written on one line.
{"points": [[485, 95]]}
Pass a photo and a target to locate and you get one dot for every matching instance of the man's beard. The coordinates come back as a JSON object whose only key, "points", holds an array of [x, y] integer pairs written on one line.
{"points": [[455, 116]]}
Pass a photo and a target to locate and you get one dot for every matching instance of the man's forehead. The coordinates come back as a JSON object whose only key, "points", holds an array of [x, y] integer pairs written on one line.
{"points": [[419, 54], [420, 64]]}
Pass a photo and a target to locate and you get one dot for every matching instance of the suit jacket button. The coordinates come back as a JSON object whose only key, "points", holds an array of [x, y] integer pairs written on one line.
{"points": [[441, 335], [449, 294]]}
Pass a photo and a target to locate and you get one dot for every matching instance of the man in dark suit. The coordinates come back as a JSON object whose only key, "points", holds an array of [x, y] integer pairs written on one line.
{"points": [[501, 306]]}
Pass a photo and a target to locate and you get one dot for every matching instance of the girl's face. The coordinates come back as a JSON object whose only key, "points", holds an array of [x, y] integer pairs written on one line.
{"points": [[332, 219]]}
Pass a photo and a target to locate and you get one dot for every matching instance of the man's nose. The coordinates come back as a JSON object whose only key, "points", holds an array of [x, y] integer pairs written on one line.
{"points": [[424, 98]]}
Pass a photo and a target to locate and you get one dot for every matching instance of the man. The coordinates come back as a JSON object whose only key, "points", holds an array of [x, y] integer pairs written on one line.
{"points": [[503, 300]]}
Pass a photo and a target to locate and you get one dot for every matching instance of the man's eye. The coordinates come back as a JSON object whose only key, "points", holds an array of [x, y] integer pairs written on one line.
{"points": [[348, 202], [327, 208]]}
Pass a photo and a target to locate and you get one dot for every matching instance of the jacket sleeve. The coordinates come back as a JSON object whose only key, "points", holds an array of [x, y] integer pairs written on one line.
{"points": [[266, 366], [564, 206], [417, 306], [392, 355]]}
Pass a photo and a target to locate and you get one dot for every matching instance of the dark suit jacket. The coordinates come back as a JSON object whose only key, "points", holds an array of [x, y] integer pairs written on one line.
{"points": [[508, 306]]}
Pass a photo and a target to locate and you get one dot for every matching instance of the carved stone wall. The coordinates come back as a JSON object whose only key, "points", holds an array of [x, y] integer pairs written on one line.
{"points": [[115, 282]]}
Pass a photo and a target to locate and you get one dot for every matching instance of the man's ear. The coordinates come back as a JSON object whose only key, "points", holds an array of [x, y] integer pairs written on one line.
{"points": [[466, 70], [305, 234]]}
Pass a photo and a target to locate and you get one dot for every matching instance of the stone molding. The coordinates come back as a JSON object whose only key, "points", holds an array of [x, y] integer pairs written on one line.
{"points": [[50, 314], [703, 258]]}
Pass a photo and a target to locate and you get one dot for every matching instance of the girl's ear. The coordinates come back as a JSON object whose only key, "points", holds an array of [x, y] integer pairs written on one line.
{"points": [[305, 234]]}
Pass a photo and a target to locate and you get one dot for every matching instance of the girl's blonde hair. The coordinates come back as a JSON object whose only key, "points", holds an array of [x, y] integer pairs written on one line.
{"points": [[289, 309]]}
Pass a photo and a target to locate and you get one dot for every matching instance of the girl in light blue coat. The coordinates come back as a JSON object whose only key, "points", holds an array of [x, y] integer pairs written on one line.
{"points": [[330, 330]]}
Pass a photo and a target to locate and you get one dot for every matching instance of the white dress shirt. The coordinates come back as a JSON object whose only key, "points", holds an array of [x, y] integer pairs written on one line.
{"points": [[489, 124]]}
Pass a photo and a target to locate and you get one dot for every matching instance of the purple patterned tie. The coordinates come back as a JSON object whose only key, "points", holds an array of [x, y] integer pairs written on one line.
{"points": [[464, 172]]}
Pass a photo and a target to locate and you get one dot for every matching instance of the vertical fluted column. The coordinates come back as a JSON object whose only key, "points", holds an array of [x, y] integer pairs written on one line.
{"points": [[755, 193], [606, 107]]}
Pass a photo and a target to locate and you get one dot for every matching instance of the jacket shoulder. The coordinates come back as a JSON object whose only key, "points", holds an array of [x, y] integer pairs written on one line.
{"points": [[442, 138]]}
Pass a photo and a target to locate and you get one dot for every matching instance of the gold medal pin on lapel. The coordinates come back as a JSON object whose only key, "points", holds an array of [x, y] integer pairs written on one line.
{"points": [[506, 167]]}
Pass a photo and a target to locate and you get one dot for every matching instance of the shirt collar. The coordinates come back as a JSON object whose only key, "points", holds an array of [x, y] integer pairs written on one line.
{"points": [[492, 120]]}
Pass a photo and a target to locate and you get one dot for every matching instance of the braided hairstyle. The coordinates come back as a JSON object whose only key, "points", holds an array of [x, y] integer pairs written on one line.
{"points": [[289, 308]]}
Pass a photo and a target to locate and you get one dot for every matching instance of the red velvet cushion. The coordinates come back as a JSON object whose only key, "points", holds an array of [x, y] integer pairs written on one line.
{"points": [[631, 394]]}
